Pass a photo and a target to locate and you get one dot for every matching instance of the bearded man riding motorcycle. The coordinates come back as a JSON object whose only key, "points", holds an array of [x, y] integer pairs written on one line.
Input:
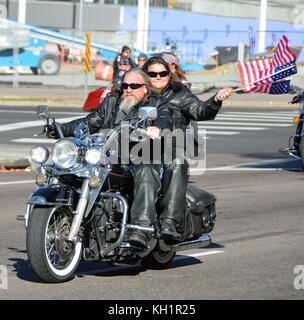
{"points": [[123, 106]]}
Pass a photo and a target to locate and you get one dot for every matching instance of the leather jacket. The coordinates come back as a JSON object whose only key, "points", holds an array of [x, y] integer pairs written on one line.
{"points": [[186, 106], [104, 117]]}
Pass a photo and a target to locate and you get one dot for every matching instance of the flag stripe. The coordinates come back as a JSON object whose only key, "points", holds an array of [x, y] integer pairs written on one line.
{"points": [[268, 71], [291, 55]]}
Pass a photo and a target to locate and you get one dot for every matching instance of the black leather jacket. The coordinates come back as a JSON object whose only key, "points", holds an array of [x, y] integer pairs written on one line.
{"points": [[186, 106], [104, 117]]}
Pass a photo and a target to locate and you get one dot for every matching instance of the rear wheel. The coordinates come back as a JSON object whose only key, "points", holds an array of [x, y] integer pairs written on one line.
{"points": [[158, 259], [52, 257]]}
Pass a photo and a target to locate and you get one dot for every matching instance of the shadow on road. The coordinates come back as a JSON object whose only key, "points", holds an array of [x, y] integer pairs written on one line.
{"points": [[22, 267], [24, 271], [271, 161]]}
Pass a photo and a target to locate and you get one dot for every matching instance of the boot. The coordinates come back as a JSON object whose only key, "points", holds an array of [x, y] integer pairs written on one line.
{"points": [[174, 201]]}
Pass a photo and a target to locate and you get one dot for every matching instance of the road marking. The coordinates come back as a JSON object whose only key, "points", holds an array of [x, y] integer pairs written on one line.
{"points": [[258, 116], [222, 133], [53, 112], [33, 140], [198, 254], [248, 120], [29, 124], [16, 182], [219, 122], [234, 128], [258, 113]]}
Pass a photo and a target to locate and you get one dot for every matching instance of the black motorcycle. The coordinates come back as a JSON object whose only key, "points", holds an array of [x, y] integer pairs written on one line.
{"points": [[296, 141], [80, 208]]}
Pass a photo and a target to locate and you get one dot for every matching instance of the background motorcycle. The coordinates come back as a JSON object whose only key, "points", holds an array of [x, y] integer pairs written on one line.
{"points": [[296, 141], [80, 208]]}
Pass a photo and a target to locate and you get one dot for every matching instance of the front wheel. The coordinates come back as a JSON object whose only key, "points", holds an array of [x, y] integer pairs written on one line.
{"points": [[52, 257]]}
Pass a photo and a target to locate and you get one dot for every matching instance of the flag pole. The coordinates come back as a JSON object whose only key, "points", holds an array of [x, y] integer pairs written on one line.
{"points": [[243, 87]]}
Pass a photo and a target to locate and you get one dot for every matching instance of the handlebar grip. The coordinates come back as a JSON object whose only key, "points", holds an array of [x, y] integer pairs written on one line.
{"points": [[58, 129]]}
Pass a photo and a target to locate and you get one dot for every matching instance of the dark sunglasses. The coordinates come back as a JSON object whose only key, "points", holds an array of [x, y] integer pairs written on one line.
{"points": [[162, 74], [124, 63], [133, 86]]}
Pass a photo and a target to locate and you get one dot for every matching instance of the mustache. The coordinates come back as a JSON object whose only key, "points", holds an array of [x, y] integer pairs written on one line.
{"points": [[128, 95]]}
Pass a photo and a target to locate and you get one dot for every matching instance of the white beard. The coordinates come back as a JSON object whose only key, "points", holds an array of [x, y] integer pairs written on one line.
{"points": [[127, 103]]}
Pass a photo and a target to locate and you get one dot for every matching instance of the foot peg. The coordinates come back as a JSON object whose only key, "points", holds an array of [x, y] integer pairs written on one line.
{"points": [[20, 217]]}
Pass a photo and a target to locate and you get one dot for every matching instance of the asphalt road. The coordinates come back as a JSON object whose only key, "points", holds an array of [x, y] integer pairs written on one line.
{"points": [[257, 241]]}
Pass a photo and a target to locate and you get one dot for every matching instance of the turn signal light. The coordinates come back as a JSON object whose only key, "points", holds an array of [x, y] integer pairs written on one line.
{"points": [[40, 179], [94, 182], [296, 119]]}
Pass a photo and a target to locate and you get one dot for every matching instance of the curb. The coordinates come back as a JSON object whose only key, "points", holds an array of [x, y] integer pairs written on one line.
{"points": [[25, 102], [15, 163]]}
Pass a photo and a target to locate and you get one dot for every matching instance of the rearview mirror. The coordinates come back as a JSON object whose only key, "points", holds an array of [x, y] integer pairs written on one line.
{"points": [[43, 112]]}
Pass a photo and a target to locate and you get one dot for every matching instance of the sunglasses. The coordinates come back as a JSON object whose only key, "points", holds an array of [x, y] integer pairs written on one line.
{"points": [[162, 74], [133, 86]]}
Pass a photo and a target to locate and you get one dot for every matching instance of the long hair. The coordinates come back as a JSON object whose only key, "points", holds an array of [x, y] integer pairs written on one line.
{"points": [[158, 60], [147, 82]]}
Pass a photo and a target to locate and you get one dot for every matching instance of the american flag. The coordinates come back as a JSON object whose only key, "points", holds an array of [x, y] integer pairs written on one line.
{"points": [[269, 70], [278, 73], [283, 54], [250, 72], [279, 87]]}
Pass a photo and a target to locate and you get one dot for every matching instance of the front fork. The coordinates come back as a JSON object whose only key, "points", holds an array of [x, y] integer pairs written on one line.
{"points": [[80, 210]]}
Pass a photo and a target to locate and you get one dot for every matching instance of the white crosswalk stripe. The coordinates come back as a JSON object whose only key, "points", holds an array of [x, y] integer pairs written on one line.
{"points": [[35, 140], [258, 117], [231, 127], [246, 121]]}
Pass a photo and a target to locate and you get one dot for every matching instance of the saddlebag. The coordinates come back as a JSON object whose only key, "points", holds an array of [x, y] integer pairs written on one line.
{"points": [[200, 214]]}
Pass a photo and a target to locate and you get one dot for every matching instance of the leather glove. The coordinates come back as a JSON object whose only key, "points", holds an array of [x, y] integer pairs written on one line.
{"points": [[51, 132]]}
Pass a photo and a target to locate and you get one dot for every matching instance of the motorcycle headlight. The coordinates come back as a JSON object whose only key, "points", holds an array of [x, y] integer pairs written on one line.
{"points": [[65, 154], [39, 154], [92, 156]]}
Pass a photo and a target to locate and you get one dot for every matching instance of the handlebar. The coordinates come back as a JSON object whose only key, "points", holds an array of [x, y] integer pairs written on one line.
{"points": [[58, 129]]}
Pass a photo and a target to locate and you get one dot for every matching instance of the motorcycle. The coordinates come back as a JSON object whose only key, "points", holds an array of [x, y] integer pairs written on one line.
{"points": [[80, 208], [296, 142]]}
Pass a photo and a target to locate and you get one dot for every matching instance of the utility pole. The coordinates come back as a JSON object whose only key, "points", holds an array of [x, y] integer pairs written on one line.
{"points": [[263, 25], [7, 9], [80, 22], [22, 11], [142, 25]]}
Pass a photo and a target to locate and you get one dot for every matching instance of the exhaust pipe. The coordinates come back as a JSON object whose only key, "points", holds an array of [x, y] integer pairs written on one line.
{"points": [[201, 242]]}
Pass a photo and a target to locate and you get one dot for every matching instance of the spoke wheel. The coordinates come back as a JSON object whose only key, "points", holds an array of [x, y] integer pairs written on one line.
{"points": [[52, 257]]}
